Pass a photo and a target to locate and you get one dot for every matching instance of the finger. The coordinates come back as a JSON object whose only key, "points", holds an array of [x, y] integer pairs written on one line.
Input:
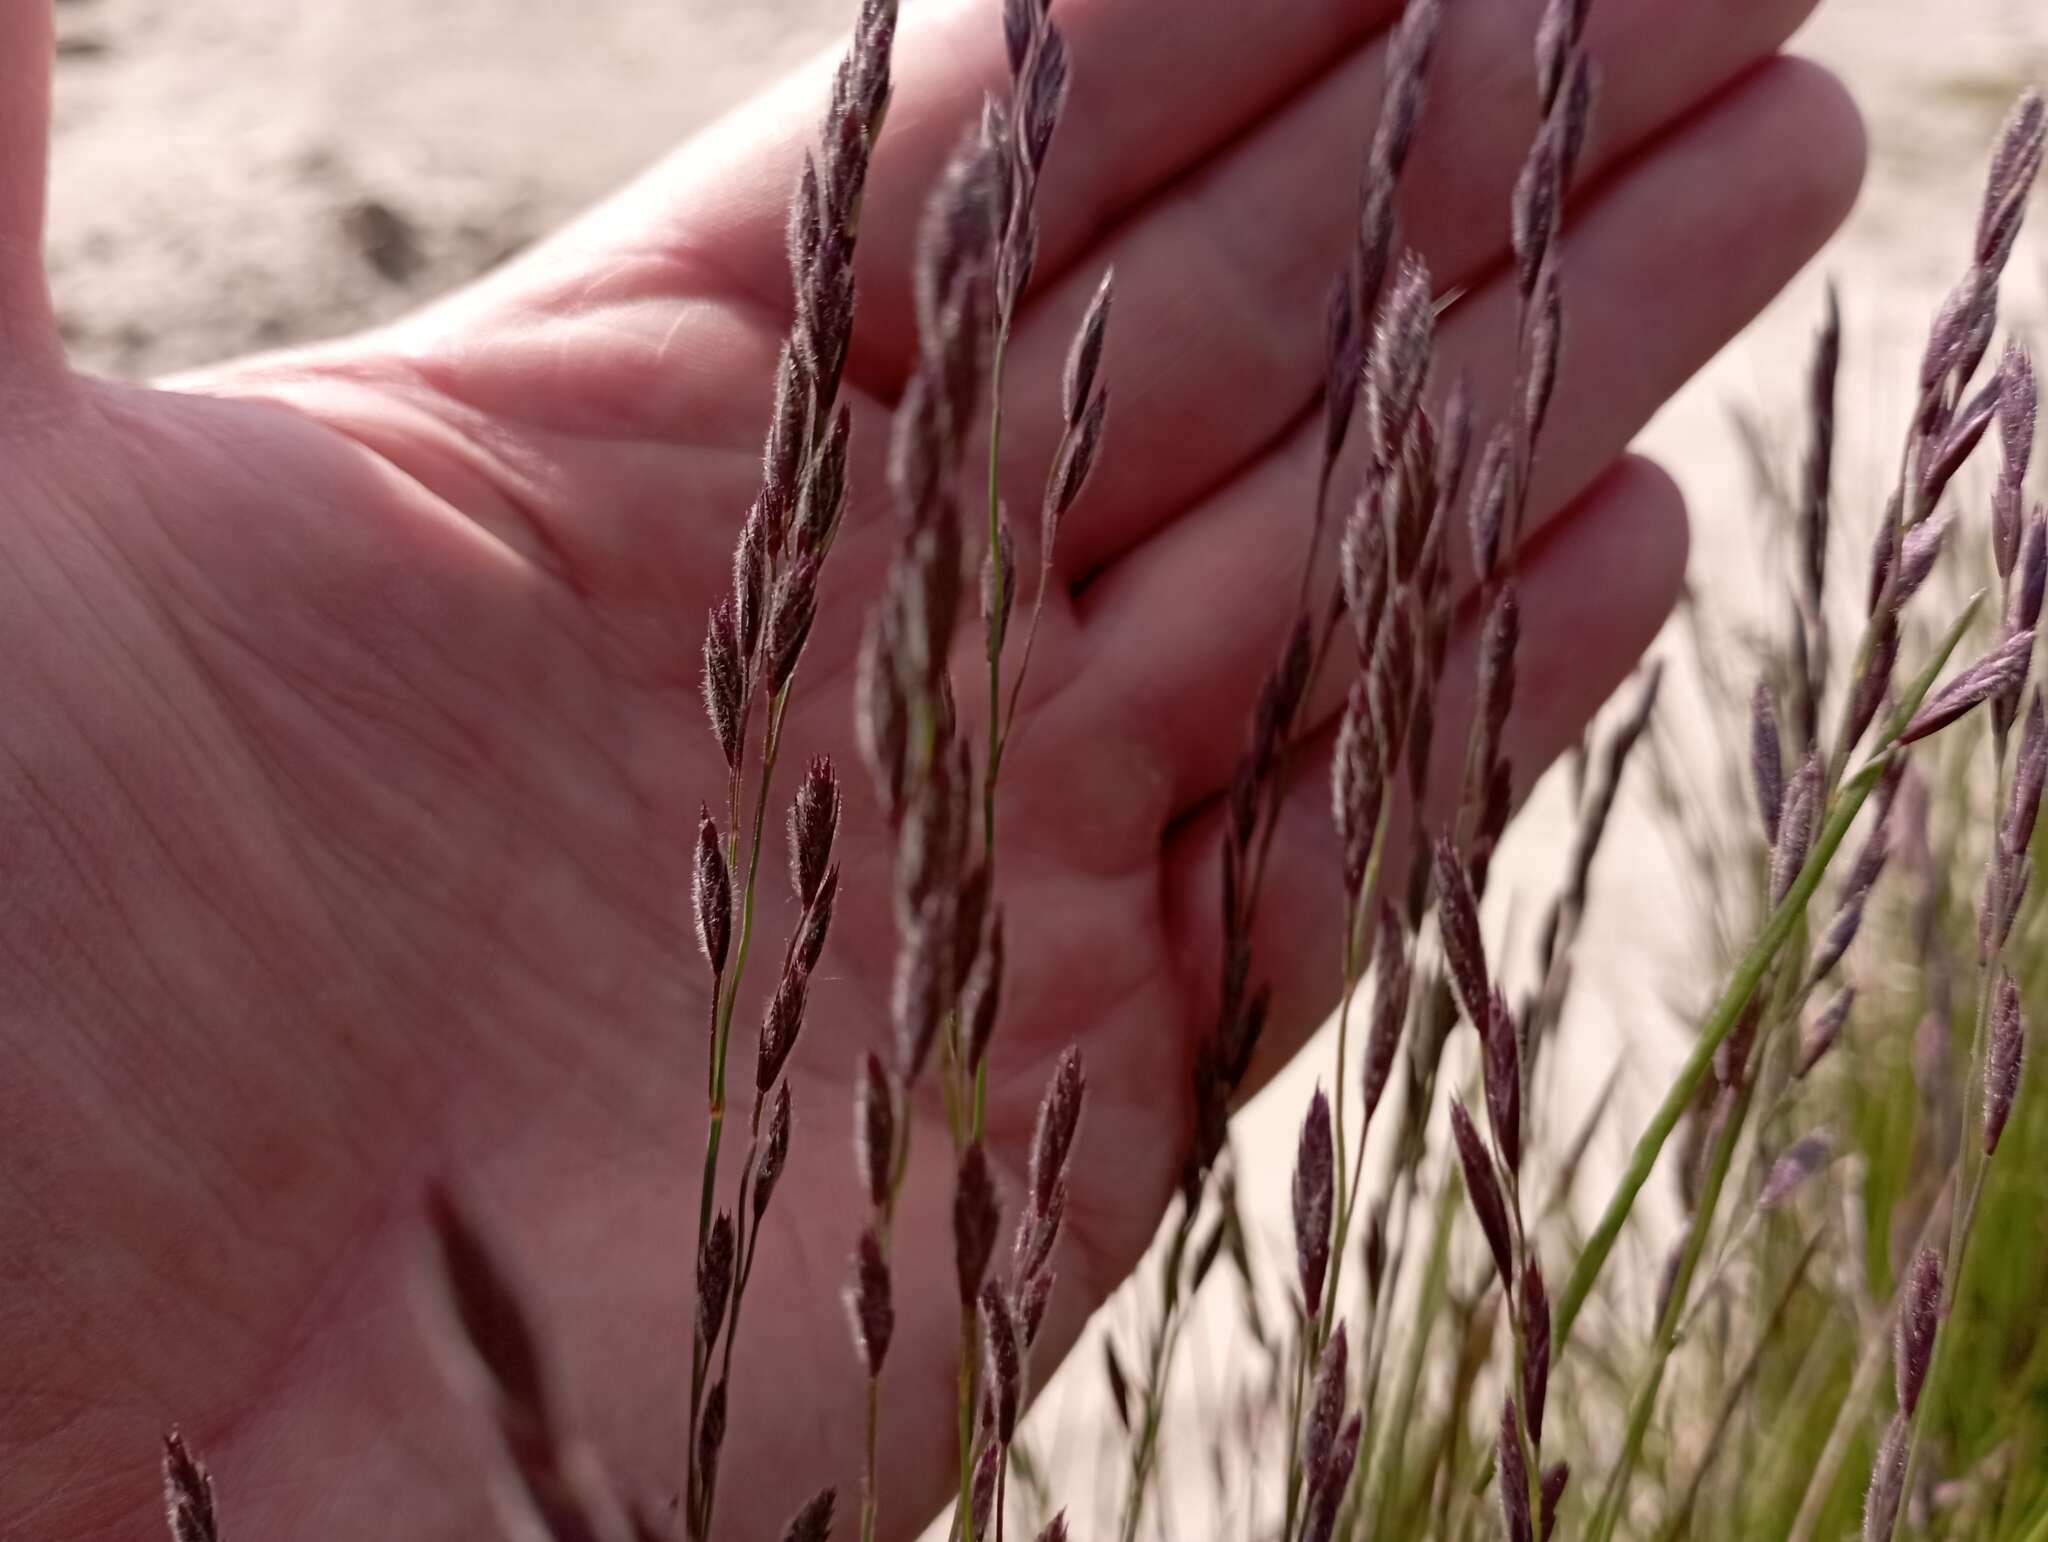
{"points": [[28, 329], [1222, 279], [1596, 588], [1132, 123], [1677, 253]]}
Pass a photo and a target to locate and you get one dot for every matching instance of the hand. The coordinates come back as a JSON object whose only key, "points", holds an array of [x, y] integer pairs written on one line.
{"points": [[353, 749]]}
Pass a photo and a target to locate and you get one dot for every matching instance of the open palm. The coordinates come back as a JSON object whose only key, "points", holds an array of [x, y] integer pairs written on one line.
{"points": [[353, 749]]}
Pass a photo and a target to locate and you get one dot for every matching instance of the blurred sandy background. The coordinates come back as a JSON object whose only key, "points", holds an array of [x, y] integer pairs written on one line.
{"points": [[233, 174]]}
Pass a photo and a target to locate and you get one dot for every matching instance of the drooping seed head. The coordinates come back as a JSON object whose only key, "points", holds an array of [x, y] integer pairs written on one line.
{"points": [[2001, 670]]}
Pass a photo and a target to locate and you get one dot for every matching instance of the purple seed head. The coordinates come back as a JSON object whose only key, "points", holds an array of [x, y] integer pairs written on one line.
{"points": [[1482, 1187], [813, 1523], [1919, 1320], [1827, 1028], [1003, 1345], [1084, 358], [1314, 1190], [1514, 1477], [712, 895], [2001, 670], [813, 823], [1389, 1007], [1458, 921], [1325, 1405], [976, 1217], [869, 1303], [774, 1154], [1795, 829], [1887, 1481], [876, 1131], [779, 1029], [1534, 1304], [714, 1278], [1555, 1477], [711, 1434], [1766, 759], [1059, 1116], [2004, 1059], [1501, 1050], [188, 1494], [725, 680]]}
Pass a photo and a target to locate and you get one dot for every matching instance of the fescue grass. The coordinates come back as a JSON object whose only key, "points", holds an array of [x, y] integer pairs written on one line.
{"points": [[1843, 1332]]}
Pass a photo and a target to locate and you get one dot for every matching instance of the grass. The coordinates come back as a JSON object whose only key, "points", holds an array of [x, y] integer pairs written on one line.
{"points": [[1456, 1352]]}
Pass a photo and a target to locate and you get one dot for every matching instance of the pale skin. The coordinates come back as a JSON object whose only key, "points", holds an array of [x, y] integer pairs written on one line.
{"points": [[351, 750]]}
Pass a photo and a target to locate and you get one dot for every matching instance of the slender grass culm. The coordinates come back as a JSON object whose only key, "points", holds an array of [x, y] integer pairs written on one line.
{"points": [[1446, 1348]]}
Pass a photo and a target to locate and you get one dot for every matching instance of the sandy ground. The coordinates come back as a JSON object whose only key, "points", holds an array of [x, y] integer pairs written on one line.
{"points": [[238, 173]]}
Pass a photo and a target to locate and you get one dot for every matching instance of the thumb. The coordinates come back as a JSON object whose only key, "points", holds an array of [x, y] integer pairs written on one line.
{"points": [[28, 329]]}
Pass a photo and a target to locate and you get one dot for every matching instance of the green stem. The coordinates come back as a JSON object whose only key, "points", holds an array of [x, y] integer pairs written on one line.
{"points": [[1616, 1494], [1720, 1023], [1777, 929]]}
